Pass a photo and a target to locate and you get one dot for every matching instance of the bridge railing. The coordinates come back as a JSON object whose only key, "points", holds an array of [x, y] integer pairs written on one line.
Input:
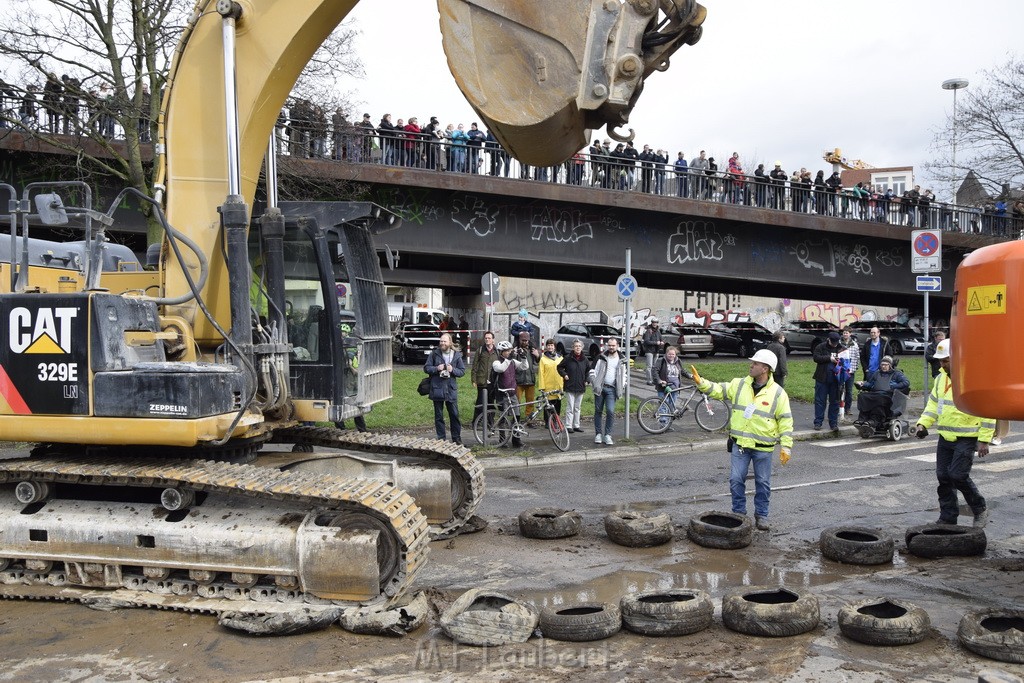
{"points": [[612, 171], [619, 174]]}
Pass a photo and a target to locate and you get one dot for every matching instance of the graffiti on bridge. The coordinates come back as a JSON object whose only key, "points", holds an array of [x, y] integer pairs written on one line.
{"points": [[545, 301], [703, 318], [559, 225], [839, 315], [696, 241]]}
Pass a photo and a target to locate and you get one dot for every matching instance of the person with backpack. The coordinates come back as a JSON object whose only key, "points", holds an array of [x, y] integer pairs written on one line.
{"points": [[444, 366]]}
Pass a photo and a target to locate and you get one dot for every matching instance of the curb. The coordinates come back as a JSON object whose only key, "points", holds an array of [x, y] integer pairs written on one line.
{"points": [[508, 462]]}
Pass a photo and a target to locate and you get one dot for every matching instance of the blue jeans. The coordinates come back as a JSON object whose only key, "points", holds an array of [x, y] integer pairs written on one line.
{"points": [[827, 391], [848, 395], [670, 403], [741, 459], [953, 460], [453, 416], [605, 401]]}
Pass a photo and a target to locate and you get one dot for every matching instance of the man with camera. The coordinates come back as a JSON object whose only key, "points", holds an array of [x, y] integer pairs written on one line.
{"points": [[608, 380], [444, 366]]}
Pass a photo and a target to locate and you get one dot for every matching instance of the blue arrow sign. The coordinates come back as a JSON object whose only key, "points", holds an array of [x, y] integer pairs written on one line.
{"points": [[929, 283], [626, 286]]}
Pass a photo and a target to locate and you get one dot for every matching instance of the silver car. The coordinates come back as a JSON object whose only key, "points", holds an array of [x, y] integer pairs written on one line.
{"points": [[692, 339]]}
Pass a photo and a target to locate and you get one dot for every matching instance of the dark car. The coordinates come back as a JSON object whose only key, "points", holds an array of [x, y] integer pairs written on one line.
{"points": [[692, 339], [413, 341], [804, 335], [741, 338], [902, 338], [593, 336]]}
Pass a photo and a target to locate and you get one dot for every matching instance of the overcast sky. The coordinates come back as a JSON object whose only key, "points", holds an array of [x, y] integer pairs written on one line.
{"points": [[774, 81]]}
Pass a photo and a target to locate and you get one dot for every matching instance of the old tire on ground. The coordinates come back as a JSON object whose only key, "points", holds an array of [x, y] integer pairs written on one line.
{"points": [[994, 633], [549, 523], [770, 611], [667, 613], [638, 529], [397, 620], [884, 621], [856, 545], [579, 623], [301, 620], [945, 540], [481, 617], [723, 530]]}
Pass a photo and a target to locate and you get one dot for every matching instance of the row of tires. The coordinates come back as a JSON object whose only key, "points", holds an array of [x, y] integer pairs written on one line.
{"points": [[635, 529], [730, 531], [486, 618]]}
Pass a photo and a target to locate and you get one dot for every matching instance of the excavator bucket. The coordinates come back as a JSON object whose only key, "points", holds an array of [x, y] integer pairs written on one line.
{"points": [[575, 65]]}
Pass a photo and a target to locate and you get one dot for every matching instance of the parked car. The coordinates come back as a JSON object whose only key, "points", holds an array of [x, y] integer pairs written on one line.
{"points": [[413, 341], [741, 338], [902, 338], [593, 336], [692, 339], [804, 335]]}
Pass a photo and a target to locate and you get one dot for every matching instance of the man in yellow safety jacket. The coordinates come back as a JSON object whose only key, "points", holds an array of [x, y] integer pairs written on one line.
{"points": [[959, 435], [761, 419]]}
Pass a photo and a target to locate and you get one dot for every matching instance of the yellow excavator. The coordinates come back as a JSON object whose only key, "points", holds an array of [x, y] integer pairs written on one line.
{"points": [[157, 396]]}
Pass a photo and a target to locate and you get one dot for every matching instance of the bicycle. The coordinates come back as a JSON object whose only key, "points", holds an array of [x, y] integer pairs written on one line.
{"points": [[656, 414], [505, 423]]}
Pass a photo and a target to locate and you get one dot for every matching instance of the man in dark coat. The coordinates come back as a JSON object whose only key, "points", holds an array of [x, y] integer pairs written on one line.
{"points": [[444, 366], [826, 382]]}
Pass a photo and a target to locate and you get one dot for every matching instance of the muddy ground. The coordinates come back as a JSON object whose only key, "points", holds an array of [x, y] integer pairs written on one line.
{"points": [[48, 642]]}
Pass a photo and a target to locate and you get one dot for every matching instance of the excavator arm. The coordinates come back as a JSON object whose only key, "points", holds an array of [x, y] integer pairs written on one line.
{"points": [[540, 74]]}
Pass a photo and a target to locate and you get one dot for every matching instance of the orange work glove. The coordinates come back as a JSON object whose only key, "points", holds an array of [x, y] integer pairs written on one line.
{"points": [[696, 375], [784, 456]]}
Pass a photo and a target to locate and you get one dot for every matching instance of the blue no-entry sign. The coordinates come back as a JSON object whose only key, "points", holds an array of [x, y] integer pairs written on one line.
{"points": [[626, 286]]}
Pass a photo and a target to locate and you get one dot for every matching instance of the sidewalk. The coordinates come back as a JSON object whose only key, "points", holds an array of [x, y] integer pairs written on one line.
{"points": [[685, 436]]}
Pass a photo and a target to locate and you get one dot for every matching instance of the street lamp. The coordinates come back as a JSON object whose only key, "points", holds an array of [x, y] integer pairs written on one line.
{"points": [[954, 84]]}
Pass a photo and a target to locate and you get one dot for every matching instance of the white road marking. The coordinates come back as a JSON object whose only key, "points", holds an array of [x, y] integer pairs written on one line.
{"points": [[896, 447], [833, 443], [810, 483]]}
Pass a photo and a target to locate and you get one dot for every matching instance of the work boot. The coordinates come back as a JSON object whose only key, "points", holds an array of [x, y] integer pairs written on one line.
{"points": [[817, 426], [762, 524], [940, 520], [597, 439], [981, 519]]}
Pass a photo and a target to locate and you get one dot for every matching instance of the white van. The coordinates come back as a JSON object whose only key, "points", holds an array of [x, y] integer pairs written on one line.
{"points": [[414, 313]]}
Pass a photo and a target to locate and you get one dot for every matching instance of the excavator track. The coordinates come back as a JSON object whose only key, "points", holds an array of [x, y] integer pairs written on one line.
{"points": [[468, 483], [59, 572]]}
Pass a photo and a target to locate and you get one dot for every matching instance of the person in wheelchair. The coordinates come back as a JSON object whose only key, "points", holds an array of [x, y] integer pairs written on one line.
{"points": [[883, 395]]}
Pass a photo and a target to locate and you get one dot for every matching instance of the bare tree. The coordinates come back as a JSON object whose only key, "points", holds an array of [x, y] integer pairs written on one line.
{"points": [[114, 55], [989, 131]]}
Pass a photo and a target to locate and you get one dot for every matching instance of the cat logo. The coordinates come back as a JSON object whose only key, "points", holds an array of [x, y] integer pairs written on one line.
{"points": [[48, 332]]}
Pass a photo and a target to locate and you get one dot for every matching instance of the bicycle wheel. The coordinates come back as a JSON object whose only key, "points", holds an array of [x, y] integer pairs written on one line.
{"points": [[712, 414], [559, 434], [654, 416], [499, 431]]}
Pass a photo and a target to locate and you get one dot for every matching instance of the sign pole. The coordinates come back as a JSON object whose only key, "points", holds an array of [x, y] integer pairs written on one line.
{"points": [[625, 330], [925, 355]]}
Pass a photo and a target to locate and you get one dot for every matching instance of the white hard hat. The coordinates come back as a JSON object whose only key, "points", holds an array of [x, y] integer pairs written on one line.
{"points": [[767, 357], [941, 350]]}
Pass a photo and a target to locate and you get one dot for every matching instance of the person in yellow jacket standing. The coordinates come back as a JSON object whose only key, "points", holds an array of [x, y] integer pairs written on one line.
{"points": [[959, 435], [548, 378], [761, 419]]}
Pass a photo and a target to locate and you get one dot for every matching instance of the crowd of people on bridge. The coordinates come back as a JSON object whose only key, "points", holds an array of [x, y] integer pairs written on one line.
{"points": [[304, 129]]}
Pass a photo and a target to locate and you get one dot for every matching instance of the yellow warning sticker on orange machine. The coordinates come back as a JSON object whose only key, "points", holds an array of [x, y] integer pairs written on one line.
{"points": [[986, 300]]}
